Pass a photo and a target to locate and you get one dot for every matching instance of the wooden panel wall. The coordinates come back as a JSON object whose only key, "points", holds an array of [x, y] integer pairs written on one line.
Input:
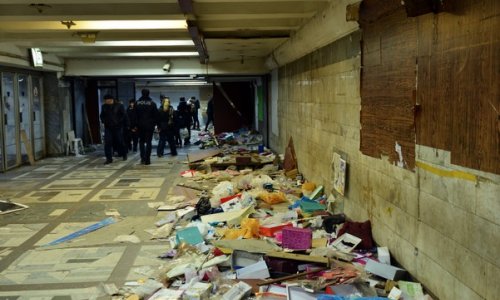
{"points": [[458, 80], [388, 86], [451, 102]]}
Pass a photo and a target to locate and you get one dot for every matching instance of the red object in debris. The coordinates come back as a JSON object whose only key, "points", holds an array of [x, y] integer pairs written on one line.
{"points": [[270, 230], [217, 252], [225, 199]]}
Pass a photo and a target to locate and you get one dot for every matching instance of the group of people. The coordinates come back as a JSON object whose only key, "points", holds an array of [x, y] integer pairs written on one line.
{"points": [[124, 129]]}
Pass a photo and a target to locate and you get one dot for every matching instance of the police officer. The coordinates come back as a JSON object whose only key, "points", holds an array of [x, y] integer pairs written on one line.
{"points": [[113, 117], [146, 118]]}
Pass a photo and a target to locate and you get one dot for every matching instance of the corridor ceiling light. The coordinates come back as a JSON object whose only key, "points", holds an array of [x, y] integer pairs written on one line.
{"points": [[160, 54], [146, 43], [132, 24], [146, 54]]}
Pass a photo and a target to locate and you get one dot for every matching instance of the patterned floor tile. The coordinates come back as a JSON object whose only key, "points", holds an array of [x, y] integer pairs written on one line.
{"points": [[13, 235], [149, 194], [54, 196]]}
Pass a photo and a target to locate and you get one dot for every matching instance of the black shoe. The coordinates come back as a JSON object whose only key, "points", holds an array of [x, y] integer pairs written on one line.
{"points": [[159, 155], [147, 163], [108, 162], [125, 157]]}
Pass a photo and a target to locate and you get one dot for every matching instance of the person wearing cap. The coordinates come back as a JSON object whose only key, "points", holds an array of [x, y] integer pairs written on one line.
{"points": [[184, 118], [195, 106], [166, 128], [146, 119], [132, 139], [113, 117]]}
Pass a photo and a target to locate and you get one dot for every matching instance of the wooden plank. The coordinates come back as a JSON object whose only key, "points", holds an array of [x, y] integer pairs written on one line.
{"points": [[201, 155], [27, 146], [300, 257]]}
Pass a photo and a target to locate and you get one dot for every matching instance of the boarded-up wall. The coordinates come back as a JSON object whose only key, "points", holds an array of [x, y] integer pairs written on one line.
{"points": [[388, 88], [434, 78], [458, 80]]}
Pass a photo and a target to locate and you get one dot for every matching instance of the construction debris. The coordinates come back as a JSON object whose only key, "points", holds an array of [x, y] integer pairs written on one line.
{"points": [[239, 225]]}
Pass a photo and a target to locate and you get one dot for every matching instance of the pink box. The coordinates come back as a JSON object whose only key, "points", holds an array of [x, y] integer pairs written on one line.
{"points": [[296, 238]]}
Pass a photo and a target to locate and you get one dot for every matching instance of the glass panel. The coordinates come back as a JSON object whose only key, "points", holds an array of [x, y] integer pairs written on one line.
{"points": [[24, 112], [37, 117], [9, 120], [1, 130]]}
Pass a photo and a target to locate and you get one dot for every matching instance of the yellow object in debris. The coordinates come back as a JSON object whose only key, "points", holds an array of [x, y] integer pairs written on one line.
{"points": [[272, 198], [234, 234], [252, 228]]}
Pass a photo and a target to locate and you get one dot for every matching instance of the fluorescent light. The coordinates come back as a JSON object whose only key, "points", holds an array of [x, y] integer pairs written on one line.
{"points": [[146, 43], [183, 53], [139, 54], [130, 24]]}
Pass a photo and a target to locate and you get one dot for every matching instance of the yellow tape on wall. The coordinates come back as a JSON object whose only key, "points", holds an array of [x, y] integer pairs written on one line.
{"points": [[447, 173]]}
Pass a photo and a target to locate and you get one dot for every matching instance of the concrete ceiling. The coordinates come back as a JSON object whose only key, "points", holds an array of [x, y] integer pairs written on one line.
{"points": [[224, 30]]}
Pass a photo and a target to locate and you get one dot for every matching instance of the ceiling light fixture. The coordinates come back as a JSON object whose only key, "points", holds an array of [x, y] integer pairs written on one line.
{"points": [[141, 54], [146, 43], [132, 24]]}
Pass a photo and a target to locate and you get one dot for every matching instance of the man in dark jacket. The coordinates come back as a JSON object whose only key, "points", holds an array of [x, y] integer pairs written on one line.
{"points": [[195, 106], [147, 115], [166, 128], [113, 117], [210, 113], [184, 118], [132, 136]]}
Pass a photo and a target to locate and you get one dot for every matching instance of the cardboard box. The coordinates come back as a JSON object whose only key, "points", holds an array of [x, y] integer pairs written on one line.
{"points": [[383, 270], [190, 235], [241, 259], [297, 238], [255, 271], [198, 291], [238, 291], [383, 255], [270, 230]]}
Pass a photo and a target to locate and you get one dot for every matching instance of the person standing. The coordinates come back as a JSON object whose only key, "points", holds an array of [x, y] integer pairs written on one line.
{"points": [[146, 117], [132, 136], [210, 113], [195, 106], [185, 118], [166, 127], [113, 117]]}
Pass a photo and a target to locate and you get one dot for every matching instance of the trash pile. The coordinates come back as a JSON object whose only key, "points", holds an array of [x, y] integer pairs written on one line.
{"points": [[264, 233]]}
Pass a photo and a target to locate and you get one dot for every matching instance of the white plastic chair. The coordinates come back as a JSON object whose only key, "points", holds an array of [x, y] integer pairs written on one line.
{"points": [[74, 144]]}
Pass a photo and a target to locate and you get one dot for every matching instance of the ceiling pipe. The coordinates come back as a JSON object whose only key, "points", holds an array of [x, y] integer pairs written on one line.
{"points": [[186, 7]]}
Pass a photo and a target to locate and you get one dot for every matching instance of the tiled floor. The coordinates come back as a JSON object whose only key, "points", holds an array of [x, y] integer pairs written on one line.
{"points": [[66, 194]]}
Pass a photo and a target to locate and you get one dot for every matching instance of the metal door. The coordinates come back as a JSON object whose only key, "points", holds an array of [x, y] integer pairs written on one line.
{"points": [[24, 114], [37, 111], [10, 124]]}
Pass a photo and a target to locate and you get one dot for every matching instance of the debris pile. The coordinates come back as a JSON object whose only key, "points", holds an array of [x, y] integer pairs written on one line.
{"points": [[242, 232]]}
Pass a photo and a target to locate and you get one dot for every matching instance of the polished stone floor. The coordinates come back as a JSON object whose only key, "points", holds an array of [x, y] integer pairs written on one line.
{"points": [[67, 194]]}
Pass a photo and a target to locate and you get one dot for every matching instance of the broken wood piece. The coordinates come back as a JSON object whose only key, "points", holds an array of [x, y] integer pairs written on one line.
{"points": [[301, 257], [293, 276], [201, 155]]}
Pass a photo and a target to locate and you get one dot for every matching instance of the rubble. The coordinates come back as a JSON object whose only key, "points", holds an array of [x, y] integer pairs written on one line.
{"points": [[234, 229]]}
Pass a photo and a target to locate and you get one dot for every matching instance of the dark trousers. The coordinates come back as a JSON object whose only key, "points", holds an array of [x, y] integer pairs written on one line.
{"points": [[145, 137], [113, 137], [196, 121], [166, 136], [210, 119], [132, 139]]}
